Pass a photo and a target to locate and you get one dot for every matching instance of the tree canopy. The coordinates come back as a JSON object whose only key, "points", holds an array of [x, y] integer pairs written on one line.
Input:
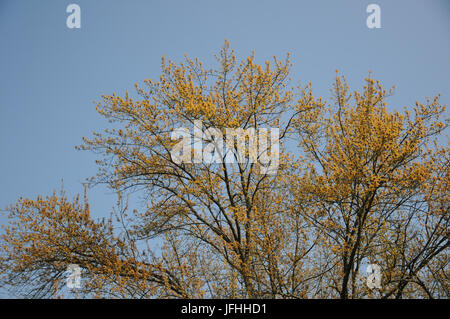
{"points": [[356, 184]]}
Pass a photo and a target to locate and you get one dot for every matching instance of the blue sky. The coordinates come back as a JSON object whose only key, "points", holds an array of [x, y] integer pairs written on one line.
{"points": [[50, 75]]}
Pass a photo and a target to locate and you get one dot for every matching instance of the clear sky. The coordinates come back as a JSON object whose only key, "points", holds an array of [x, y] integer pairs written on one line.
{"points": [[50, 74]]}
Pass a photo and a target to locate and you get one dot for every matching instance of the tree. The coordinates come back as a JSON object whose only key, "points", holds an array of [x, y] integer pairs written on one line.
{"points": [[364, 185], [377, 192]]}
